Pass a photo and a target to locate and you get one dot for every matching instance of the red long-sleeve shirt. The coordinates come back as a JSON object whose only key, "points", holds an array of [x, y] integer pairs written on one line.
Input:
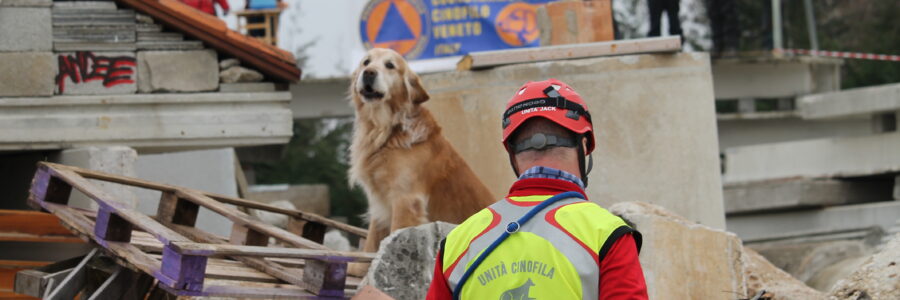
{"points": [[621, 276], [207, 6]]}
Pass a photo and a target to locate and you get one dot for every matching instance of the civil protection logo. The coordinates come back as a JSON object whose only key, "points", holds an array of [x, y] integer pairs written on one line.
{"points": [[401, 25], [516, 24]]}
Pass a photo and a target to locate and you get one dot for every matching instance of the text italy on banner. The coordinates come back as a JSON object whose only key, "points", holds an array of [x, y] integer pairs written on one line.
{"points": [[435, 28]]}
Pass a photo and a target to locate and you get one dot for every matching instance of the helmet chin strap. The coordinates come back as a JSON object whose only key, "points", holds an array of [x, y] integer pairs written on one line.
{"points": [[584, 168]]}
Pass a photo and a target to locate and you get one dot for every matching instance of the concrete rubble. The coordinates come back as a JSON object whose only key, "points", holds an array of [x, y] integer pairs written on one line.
{"points": [[761, 275], [236, 74], [404, 264], [877, 278], [178, 71]]}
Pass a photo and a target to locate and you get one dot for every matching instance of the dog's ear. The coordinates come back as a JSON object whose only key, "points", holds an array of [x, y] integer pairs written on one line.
{"points": [[417, 93]]}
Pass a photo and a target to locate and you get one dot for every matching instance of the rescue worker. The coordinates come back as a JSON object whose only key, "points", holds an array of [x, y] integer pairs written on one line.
{"points": [[544, 240], [208, 6]]}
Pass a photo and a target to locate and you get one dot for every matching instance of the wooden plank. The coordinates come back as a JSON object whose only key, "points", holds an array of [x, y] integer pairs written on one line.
{"points": [[171, 209], [219, 250], [241, 235], [34, 282], [134, 217], [486, 59], [91, 174], [246, 220], [46, 188], [326, 278], [110, 226], [187, 270], [25, 225], [74, 281]]}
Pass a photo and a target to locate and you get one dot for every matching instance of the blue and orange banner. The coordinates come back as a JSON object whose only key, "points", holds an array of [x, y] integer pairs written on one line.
{"points": [[421, 29]]}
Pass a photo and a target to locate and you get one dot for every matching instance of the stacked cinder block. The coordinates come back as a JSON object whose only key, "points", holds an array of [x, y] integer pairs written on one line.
{"points": [[27, 65]]}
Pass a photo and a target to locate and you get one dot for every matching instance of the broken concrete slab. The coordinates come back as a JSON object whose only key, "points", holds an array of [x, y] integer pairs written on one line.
{"points": [[846, 103], [763, 276], [669, 255], [655, 143], [877, 278], [775, 77], [805, 260], [96, 73], [858, 221], [178, 71], [801, 193], [403, 266], [99, 33], [228, 63], [235, 74], [246, 87], [27, 74], [25, 29], [736, 133], [828, 157], [117, 160], [169, 45]]}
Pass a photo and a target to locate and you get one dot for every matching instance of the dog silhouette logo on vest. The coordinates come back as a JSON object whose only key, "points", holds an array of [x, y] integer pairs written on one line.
{"points": [[519, 293]]}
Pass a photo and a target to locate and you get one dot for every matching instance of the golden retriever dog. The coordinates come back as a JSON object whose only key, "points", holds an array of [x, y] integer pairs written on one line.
{"points": [[408, 170]]}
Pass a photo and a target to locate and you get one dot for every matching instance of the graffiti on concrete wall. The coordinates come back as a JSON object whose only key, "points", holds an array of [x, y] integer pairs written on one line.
{"points": [[85, 66]]}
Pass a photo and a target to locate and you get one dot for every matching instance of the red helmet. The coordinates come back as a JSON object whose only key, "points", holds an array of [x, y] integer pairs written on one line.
{"points": [[553, 100]]}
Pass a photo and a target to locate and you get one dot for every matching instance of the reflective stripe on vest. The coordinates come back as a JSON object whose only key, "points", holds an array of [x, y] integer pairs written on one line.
{"points": [[570, 256]]}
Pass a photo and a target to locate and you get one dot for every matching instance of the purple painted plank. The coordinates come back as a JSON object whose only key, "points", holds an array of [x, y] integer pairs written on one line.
{"points": [[187, 270], [45, 187], [111, 227]]}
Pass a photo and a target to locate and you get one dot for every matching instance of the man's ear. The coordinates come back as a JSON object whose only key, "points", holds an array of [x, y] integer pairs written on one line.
{"points": [[417, 93]]}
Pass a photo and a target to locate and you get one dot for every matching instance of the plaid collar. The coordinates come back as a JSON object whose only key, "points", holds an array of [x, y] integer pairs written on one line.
{"points": [[548, 172]]}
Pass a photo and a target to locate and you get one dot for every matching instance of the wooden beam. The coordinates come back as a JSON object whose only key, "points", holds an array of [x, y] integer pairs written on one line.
{"points": [[74, 281], [246, 220], [486, 59], [46, 188], [188, 271], [219, 250], [174, 210], [91, 174], [33, 226], [34, 282]]}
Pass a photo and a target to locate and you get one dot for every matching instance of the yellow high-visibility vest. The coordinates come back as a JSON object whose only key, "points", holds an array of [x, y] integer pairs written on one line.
{"points": [[556, 255]]}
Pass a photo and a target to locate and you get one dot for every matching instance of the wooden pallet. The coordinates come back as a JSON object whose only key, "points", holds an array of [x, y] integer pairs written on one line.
{"points": [[185, 260]]}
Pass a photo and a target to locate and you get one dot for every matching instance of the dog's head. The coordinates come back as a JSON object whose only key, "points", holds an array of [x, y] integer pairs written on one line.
{"points": [[384, 79]]}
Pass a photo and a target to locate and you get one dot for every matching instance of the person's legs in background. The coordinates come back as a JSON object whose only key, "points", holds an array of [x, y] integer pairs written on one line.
{"points": [[656, 8]]}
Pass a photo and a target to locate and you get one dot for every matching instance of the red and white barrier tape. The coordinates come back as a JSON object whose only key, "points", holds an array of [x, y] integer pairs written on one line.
{"points": [[840, 54]]}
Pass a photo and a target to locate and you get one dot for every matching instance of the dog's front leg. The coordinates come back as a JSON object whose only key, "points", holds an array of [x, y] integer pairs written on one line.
{"points": [[378, 230], [409, 211]]}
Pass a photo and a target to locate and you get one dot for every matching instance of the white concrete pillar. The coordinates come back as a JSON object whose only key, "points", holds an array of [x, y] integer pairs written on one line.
{"points": [[118, 160]]}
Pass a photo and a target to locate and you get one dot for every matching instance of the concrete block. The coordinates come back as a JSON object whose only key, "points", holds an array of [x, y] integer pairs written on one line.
{"points": [[671, 260], [403, 266], [106, 5], [26, 3], [236, 74], [206, 170], [247, 87], [876, 278], [775, 77], [312, 198], [115, 160], [792, 194], [27, 73], [846, 103], [735, 133], [96, 73], [178, 71], [859, 221], [656, 142], [25, 29], [828, 157]]}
